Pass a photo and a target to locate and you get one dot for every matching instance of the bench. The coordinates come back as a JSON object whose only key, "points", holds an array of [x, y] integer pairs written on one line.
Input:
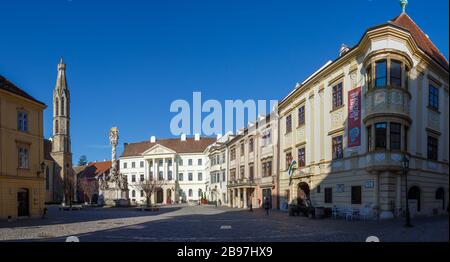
{"points": [[146, 208], [74, 207]]}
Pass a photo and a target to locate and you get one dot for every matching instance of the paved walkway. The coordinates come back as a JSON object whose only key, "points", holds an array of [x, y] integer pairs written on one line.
{"points": [[208, 223]]}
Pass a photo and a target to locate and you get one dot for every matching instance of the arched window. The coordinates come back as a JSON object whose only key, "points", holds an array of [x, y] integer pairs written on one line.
{"points": [[62, 106], [56, 126], [56, 106]]}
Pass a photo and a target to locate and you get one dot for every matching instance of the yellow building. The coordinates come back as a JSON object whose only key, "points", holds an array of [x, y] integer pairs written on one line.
{"points": [[349, 126], [22, 191]]}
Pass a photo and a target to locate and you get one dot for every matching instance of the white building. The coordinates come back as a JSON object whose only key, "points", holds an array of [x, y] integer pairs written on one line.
{"points": [[218, 169], [179, 162]]}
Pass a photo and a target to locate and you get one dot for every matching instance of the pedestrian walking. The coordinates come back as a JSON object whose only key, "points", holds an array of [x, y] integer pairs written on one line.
{"points": [[267, 205]]}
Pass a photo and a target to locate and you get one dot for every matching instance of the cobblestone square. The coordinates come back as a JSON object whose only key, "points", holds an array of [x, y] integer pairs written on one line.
{"points": [[213, 224]]}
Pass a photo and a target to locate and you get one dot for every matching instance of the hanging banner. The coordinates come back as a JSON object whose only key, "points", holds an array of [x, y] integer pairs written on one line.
{"points": [[354, 117]]}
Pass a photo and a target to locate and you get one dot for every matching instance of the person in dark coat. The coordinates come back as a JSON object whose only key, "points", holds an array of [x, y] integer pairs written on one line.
{"points": [[267, 205]]}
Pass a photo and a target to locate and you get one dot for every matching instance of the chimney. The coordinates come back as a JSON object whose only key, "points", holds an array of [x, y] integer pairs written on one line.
{"points": [[344, 49], [197, 137], [152, 139], [183, 137]]}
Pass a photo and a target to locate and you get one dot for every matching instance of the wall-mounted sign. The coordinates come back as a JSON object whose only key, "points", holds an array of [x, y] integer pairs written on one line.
{"points": [[354, 117], [369, 184]]}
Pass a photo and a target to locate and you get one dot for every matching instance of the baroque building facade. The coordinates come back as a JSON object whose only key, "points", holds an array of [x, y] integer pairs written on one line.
{"points": [[179, 163], [217, 168], [349, 125], [22, 192], [252, 160]]}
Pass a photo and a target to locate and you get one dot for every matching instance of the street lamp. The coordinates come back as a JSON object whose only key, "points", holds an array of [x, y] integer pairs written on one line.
{"points": [[405, 166]]}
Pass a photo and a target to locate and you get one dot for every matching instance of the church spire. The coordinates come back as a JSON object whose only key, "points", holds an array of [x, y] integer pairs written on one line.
{"points": [[403, 4], [61, 82]]}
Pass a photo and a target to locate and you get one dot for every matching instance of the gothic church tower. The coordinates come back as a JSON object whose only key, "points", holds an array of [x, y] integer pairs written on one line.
{"points": [[61, 145]]}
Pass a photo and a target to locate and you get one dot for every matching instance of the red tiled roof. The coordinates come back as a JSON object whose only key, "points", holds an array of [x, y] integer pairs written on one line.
{"points": [[188, 146], [422, 40], [6, 85], [95, 169]]}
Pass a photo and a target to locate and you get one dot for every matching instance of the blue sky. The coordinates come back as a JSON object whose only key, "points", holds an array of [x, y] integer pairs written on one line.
{"points": [[128, 60]]}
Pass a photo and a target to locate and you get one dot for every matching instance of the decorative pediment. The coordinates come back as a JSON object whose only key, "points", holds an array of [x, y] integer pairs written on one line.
{"points": [[158, 150]]}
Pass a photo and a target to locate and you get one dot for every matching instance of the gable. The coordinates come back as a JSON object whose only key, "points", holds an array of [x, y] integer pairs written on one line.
{"points": [[159, 150]]}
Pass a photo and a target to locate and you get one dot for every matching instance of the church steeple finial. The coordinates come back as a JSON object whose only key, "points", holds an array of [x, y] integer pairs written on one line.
{"points": [[61, 82], [403, 4]]}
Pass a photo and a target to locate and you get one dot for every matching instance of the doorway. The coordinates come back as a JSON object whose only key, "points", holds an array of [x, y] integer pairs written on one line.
{"points": [[159, 196], [169, 196], [23, 205], [303, 194], [414, 195]]}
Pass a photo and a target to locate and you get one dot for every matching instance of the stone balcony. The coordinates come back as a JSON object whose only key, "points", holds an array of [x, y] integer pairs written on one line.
{"points": [[387, 101], [384, 161]]}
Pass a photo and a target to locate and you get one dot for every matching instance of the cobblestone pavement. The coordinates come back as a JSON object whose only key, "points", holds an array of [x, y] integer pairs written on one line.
{"points": [[206, 223]]}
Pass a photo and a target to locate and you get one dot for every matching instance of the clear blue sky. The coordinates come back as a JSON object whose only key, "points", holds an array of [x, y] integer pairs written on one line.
{"points": [[128, 60]]}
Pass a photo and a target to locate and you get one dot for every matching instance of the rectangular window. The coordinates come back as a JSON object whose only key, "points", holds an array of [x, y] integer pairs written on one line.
{"points": [[242, 172], [269, 168], [356, 195], [337, 96], [288, 160], [432, 148], [190, 177], [199, 162], [242, 150], [433, 97], [233, 154], [180, 162], [328, 195], [141, 164], [380, 135], [381, 74], [251, 174], [301, 116], [301, 157], [160, 176], [369, 138], [266, 137], [180, 176], [125, 165], [338, 149], [133, 178], [169, 176], [169, 162], [395, 137], [233, 174], [190, 162], [405, 139], [142, 177], [142, 193], [200, 176], [161, 162], [250, 145], [223, 177], [396, 73], [369, 77], [22, 121], [133, 164], [23, 156], [288, 124]]}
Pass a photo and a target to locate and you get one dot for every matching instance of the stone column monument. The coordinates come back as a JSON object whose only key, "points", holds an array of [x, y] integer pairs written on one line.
{"points": [[113, 140]]}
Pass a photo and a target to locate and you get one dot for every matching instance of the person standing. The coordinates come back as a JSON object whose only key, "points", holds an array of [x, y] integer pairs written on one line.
{"points": [[267, 205]]}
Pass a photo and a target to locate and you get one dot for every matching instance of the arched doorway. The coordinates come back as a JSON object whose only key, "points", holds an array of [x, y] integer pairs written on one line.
{"points": [[414, 194], [440, 195], [169, 196], [303, 194], [23, 204], [159, 196]]}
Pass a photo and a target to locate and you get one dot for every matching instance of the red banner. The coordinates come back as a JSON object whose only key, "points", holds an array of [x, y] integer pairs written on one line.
{"points": [[354, 117]]}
